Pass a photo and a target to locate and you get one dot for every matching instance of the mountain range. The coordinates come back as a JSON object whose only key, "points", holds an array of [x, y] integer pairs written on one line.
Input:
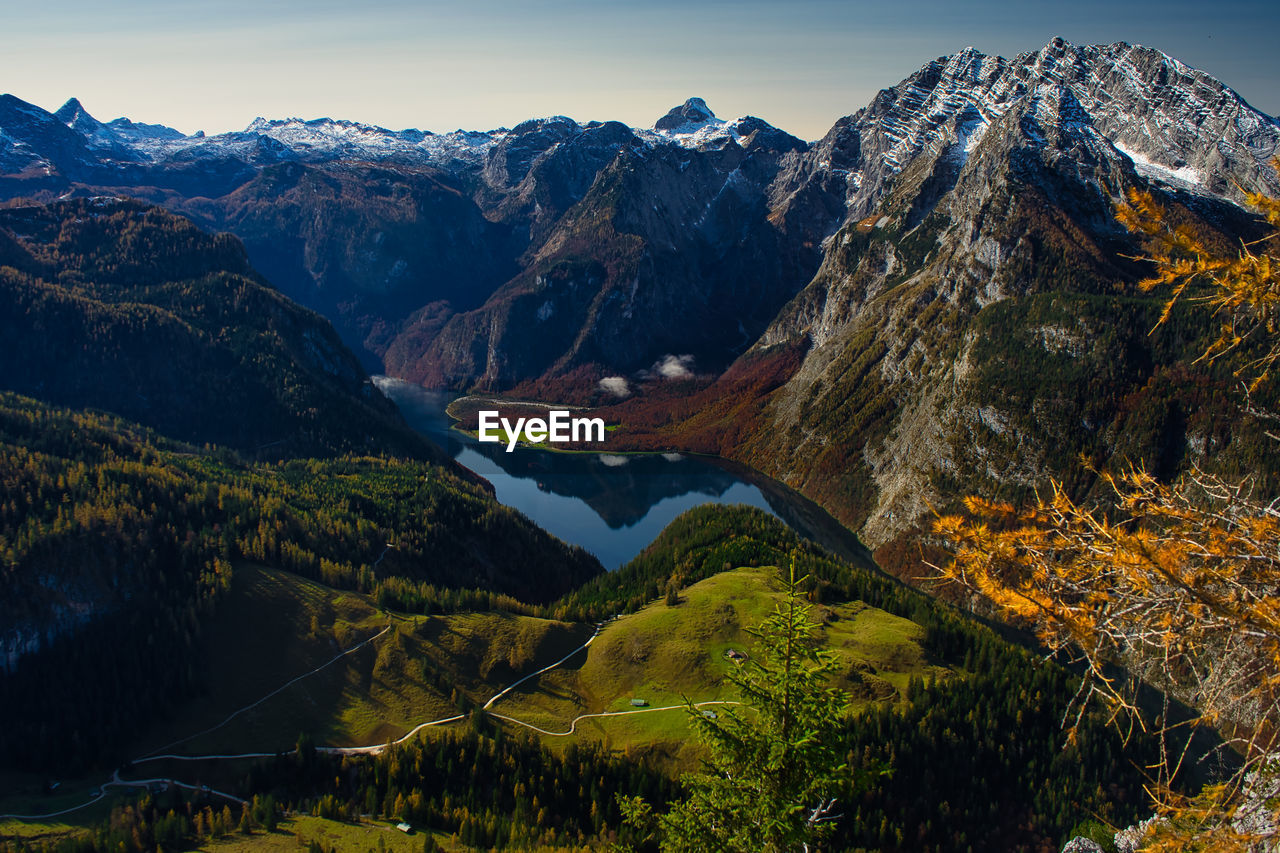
{"points": [[934, 298]]}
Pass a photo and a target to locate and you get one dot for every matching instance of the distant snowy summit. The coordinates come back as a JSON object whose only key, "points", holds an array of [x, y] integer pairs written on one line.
{"points": [[325, 139], [690, 117], [694, 125]]}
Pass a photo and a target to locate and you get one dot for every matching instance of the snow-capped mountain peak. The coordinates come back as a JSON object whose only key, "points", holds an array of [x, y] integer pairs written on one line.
{"points": [[99, 137], [694, 125], [691, 118], [1173, 123]]}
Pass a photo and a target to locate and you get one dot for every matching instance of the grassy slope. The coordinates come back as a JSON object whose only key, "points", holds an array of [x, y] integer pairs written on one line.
{"points": [[665, 654], [276, 626], [295, 833], [261, 637], [292, 835]]}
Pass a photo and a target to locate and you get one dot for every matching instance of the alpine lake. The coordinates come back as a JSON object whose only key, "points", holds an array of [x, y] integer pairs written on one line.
{"points": [[612, 504]]}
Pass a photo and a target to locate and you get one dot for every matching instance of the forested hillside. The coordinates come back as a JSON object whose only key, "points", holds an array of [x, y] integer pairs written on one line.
{"points": [[111, 304], [118, 531]]}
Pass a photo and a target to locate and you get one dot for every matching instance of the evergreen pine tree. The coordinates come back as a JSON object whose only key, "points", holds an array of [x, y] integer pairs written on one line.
{"points": [[776, 763]]}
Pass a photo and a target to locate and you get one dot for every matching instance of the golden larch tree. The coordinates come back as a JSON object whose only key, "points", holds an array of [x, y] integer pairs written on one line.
{"points": [[1176, 584]]}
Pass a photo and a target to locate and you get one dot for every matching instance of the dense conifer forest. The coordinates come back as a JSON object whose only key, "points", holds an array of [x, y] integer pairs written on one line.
{"points": [[112, 304]]}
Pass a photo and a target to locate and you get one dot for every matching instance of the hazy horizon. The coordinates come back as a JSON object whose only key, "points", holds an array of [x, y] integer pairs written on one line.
{"points": [[441, 66]]}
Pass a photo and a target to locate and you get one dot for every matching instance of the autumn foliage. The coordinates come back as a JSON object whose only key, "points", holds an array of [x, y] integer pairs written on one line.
{"points": [[1174, 583], [1243, 290]]}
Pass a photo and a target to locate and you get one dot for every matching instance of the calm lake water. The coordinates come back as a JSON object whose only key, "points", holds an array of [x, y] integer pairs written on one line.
{"points": [[613, 505]]}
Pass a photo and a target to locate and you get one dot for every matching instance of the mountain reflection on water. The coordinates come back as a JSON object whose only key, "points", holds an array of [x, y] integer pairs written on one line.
{"points": [[613, 505]]}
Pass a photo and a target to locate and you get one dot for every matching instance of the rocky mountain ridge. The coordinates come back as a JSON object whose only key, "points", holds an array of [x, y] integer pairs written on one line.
{"points": [[981, 186], [1176, 122], [1153, 107], [121, 141], [449, 199]]}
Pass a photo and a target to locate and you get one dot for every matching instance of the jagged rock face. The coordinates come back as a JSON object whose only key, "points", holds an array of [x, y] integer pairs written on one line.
{"points": [[1178, 123], [531, 185], [36, 144], [670, 252], [980, 238], [99, 137], [509, 160], [638, 247], [365, 244], [1081, 845], [1256, 817], [397, 252]]}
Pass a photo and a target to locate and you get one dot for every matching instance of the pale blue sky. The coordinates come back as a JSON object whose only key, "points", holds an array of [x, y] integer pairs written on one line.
{"points": [[216, 65]]}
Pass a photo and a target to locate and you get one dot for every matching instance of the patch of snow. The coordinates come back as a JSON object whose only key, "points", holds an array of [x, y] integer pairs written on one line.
{"points": [[1148, 168], [692, 134]]}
